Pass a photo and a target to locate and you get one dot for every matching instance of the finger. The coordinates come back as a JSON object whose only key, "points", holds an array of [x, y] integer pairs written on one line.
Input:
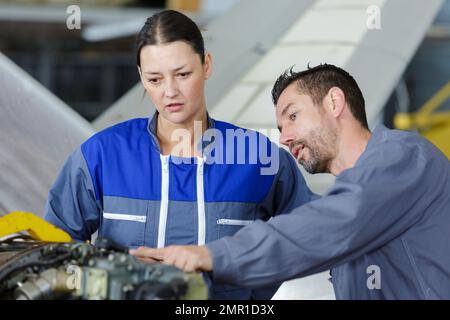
{"points": [[183, 261], [190, 265], [142, 250], [196, 263], [135, 250], [187, 261], [180, 263], [148, 260], [157, 254], [170, 259]]}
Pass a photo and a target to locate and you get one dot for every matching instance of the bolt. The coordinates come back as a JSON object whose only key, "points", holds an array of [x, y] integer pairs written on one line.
{"points": [[128, 288], [157, 273]]}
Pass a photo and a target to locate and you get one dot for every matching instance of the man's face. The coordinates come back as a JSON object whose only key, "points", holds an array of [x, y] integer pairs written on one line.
{"points": [[307, 130]]}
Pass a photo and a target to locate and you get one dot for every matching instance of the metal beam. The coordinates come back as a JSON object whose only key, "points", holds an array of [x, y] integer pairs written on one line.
{"points": [[381, 58], [37, 133]]}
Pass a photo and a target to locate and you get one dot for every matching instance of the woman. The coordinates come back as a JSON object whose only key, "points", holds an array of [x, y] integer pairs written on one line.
{"points": [[139, 186]]}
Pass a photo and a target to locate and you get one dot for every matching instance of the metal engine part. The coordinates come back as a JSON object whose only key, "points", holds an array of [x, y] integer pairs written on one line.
{"points": [[31, 270]]}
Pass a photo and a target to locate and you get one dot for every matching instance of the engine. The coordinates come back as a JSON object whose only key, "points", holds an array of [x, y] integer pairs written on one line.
{"points": [[31, 270]]}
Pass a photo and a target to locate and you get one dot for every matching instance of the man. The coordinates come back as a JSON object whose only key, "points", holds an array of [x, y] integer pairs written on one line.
{"points": [[382, 228]]}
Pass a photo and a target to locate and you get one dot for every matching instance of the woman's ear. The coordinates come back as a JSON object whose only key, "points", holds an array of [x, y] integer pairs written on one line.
{"points": [[207, 66], [140, 74], [142, 81]]}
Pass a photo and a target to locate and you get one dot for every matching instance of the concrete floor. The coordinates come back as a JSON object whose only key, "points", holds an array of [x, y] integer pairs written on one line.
{"points": [[315, 287]]}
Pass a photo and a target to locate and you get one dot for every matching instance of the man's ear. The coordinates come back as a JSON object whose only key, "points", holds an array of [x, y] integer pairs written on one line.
{"points": [[336, 101], [207, 66]]}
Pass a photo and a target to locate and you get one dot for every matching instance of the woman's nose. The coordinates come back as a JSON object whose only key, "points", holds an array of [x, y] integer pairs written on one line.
{"points": [[171, 89]]}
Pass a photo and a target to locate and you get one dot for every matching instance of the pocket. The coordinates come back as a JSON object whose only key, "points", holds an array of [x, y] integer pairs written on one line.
{"points": [[228, 227], [124, 221], [124, 217], [234, 222], [234, 216], [125, 229]]}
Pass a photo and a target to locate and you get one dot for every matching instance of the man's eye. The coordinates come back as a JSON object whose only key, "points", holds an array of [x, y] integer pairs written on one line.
{"points": [[184, 74], [293, 116]]}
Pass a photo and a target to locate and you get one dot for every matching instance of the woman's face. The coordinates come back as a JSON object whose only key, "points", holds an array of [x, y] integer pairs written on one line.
{"points": [[174, 77]]}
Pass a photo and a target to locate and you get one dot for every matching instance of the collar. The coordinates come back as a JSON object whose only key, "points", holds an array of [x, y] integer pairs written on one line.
{"points": [[152, 124], [378, 135]]}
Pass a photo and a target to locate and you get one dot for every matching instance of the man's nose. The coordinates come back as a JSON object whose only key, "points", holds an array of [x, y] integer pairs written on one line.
{"points": [[286, 137]]}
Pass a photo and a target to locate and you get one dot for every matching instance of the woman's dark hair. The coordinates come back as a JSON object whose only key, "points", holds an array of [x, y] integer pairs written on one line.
{"points": [[168, 26]]}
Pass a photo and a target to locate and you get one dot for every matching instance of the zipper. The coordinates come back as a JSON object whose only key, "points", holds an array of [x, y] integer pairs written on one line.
{"points": [[125, 217], [234, 222], [164, 201], [201, 203]]}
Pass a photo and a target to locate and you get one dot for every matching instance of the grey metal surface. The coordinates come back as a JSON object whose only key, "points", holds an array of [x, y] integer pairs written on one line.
{"points": [[37, 133], [382, 56], [54, 13], [98, 23]]}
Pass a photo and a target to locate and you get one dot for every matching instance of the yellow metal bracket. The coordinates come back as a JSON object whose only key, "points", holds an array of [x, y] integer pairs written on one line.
{"points": [[38, 228], [433, 126]]}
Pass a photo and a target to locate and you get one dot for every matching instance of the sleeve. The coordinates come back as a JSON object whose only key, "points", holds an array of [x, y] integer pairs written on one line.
{"points": [[71, 203], [289, 189], [369, 205]]}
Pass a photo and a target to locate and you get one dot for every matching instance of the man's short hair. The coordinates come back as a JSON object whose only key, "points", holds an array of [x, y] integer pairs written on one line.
{"points": [[317, 81]]}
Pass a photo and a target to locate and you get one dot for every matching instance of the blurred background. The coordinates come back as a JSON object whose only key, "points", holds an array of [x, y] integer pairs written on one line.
{"points": [[67, 70], [87, 68]]}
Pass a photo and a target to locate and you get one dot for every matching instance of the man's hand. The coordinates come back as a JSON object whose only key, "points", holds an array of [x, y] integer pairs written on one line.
{"points": [[187, 258]]}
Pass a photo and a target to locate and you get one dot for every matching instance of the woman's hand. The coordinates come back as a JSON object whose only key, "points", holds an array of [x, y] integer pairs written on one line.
{"points": [[187, 258]]}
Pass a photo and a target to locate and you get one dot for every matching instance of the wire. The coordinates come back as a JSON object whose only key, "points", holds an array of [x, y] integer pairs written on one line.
{"points": [[34, 263]]}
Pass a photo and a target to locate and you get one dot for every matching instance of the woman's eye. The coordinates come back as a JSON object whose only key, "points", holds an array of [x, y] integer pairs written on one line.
{"points": [[154, 80], [293, 116]]}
